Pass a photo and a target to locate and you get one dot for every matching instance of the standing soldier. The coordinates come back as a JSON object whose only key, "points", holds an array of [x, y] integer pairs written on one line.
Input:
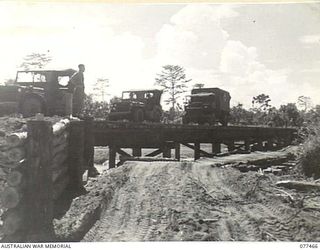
{"points": [[77, 84]]}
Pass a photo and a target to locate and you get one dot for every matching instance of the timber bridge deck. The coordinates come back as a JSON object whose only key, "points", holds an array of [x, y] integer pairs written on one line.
{"points": [[164, 137]]}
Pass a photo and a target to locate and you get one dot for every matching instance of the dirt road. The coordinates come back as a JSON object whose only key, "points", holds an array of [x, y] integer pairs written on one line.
{"points": [[196, 201]]}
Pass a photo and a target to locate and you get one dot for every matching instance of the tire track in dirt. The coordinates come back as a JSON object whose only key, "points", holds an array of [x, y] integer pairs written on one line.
{"points": [[195, 201]]}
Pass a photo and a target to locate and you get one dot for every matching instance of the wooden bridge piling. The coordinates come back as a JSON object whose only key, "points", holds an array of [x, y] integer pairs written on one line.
{"points": [[177, 150], [76, 153], [230, 145], [247, 146], [166, 149], [137, 152], [88, 145], [197, 150], [216, 148], [39, 193], [112, 156]]}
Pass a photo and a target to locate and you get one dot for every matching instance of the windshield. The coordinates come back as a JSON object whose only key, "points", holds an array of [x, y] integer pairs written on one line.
{"points": [[29, 77], [139, 95], [129, 95], [63, 80], [203, 99]]}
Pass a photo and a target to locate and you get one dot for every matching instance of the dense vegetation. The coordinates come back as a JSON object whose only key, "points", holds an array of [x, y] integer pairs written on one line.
{"points": [[96, 109], [310, 150], [286, 115]]}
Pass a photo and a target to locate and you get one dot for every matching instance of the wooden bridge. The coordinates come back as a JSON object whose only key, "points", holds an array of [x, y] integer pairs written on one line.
{"points": [[46, 162], [164, 137]]}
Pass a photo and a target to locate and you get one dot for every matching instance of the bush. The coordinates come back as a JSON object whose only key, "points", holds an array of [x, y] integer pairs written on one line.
{"points": [[310, 152], [94, 108]]}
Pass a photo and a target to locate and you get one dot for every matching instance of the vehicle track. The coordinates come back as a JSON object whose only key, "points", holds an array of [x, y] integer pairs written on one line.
{"points": [[175, 201]]}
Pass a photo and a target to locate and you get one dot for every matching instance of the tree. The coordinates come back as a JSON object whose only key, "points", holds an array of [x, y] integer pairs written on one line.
{"points": [[115, 99], [100, 87], [241, 116], [35, 61], [291, 114], [263, 101], [173, 81], [313, 115], [9, 82], [274, 118], [198, 85], [95, 108], [304, 102]]}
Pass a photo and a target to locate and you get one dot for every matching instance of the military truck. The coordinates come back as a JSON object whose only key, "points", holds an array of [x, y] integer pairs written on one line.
{"points": [[137, 106], [37, 91], [207, 105]]}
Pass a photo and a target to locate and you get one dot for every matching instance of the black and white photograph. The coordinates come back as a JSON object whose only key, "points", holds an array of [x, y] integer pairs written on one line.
{"points": [[159, 122]]}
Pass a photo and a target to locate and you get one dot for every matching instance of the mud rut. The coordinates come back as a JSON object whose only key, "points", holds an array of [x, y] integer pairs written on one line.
{"points": [[195, 201]]}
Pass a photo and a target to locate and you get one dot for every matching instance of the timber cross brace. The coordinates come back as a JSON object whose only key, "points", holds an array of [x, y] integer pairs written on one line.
{"points": [[165, 137]]}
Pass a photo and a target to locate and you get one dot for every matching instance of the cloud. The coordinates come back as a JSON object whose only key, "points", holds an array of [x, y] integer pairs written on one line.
{"points": [[310, 39], [72, 35], [194, 37], [247, 77], [218, 45], [196, 40], [238, 59]]}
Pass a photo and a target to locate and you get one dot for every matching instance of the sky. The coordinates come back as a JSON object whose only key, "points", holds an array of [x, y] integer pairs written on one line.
{"points": [[246, 49]]}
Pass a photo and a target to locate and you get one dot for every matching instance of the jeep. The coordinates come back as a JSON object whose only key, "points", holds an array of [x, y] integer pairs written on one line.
{"points": [[137, 106]]}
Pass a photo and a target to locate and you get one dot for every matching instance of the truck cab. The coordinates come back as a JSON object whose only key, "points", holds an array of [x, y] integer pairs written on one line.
{"points": [[207, 105], [137, 106], [38, 91]]}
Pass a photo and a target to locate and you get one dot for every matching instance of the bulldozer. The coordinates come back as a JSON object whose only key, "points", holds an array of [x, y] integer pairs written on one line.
{"points": [[37, 91]]}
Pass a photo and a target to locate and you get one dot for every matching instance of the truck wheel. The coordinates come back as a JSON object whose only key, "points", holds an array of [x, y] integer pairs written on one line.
{"points": [[185, 120], [138, 116], [224, 120], [212, 120], [111, 118], [31, 106], [156, 115]]}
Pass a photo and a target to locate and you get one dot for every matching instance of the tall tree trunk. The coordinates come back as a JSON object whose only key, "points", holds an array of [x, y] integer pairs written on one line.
{"points": [[173, 99]]}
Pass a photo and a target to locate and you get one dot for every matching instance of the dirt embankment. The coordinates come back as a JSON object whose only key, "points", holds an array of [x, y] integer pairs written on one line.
{"points": [[191, 201]]}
